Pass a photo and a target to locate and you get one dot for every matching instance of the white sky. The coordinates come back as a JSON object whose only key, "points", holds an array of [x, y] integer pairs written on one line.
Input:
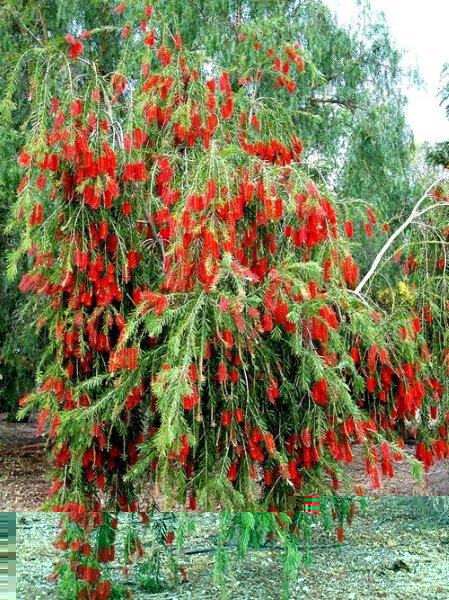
{"points": [[421, 29]]}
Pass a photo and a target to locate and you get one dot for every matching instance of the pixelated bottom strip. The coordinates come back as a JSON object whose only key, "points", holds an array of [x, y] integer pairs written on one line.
{"points": [[312, 504], [7, 555]]}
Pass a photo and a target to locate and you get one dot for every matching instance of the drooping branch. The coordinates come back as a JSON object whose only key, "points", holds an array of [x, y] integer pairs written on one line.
{"points": [[415, 213]]}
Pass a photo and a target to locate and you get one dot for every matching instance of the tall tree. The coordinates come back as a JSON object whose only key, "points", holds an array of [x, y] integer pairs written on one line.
{"points": [[197, 286]]}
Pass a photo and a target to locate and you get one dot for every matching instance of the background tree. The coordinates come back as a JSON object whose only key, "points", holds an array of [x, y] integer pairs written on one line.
{"points": [[438, 154]]}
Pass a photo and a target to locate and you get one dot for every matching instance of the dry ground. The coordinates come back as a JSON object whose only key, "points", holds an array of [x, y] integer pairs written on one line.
{"points": [[397, 550]]}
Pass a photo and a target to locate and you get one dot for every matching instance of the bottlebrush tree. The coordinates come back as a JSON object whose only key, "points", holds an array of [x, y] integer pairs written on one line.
{"points": [[198, 288]]}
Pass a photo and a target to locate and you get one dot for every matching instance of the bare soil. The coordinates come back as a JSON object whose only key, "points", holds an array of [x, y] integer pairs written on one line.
{"points": [[24, 466], [398, 549]]}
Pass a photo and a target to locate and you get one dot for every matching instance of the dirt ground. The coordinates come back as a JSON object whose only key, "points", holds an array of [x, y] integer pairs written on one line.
{"points": [[397, 549], [23, 467]]}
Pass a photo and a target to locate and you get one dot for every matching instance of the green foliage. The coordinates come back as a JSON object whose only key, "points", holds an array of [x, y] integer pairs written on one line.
{"points": [[438, 154]]}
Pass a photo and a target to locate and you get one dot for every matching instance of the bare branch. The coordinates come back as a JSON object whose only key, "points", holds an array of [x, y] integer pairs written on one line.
{"points": [[415, 212]]}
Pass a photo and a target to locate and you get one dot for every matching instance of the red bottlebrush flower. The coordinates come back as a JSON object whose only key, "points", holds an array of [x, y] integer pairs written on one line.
{"points": [[371, 216], [164, 55], [50, 163], [222, 373], [111, 191], [278, 208], [126, 31], [134, 397], [386, 227], [403, 333], [41, 420], [234, 376], [178, 41], [134, 259], [226, 417], [280, 312], [268, 477], [372, 357], [150, 38], [328, 313], [190, 401], [148, 11], [306, 437], [239, 415], [383, 356], [233, 471], [41, 182], [37, 214], [103, 229], [349, 229], [135, 172], [24, 159], [293, 473], [312, 189], [224, 305], [350, 271], [54, 105], [169, 538], [211, 189], [319, 331], [319, 392], [224, 84], [75, 48], [270, 443], [313, 289], [266, 322], [91, 574], [103, 590], [127, 358], [139, 137], [416, 324], [77, 108], [91, 197], [370, 384], [69, 38], [120, 8], [227, 108], [193, 372], [327, 266], [368, 229], [273, 391]]}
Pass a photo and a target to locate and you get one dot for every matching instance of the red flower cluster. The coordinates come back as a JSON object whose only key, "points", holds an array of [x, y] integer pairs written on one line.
{"points": [[75, 46], [127, 358]]}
